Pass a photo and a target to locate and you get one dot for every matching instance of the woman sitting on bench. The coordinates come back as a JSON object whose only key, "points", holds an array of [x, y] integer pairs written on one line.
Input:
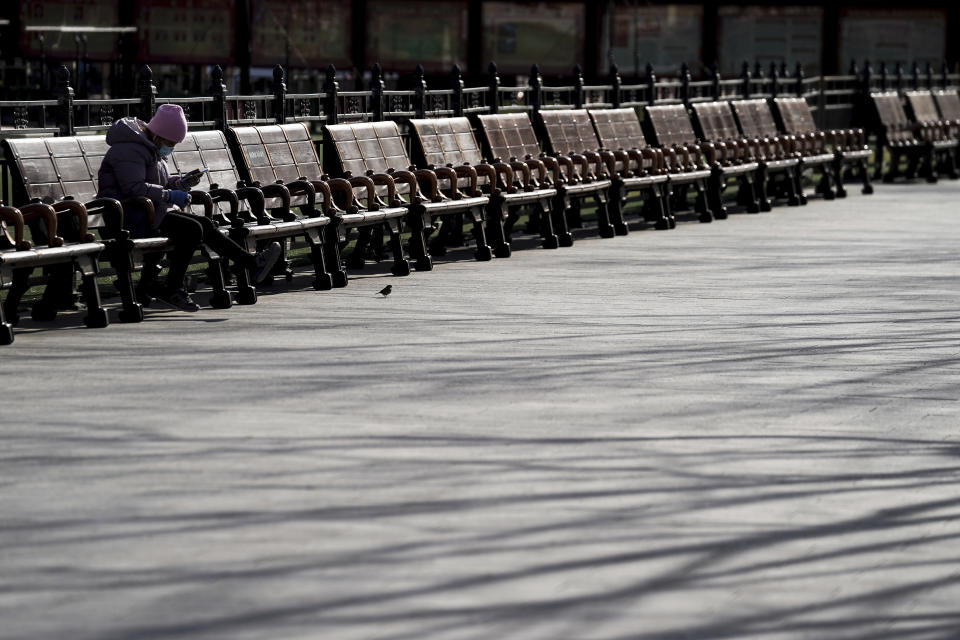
{"points": [[135, 166]]}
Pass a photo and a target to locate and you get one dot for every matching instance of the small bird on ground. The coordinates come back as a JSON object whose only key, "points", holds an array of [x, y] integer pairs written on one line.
{"points": [[386, 290]]}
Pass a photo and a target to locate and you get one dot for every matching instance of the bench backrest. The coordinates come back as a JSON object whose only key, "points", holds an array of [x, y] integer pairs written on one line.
{"points": [[891, 115], [949, 104], [509, 135], [618, 128], [716, 121], [922, 105], [276, 152], [368, 146], [53, 168], [569, 131], [795, 115], [444, 141], [670, 125], [755, 118]]}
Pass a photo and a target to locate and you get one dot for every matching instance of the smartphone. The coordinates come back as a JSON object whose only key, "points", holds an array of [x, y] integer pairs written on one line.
{"points": [[198, 171]]}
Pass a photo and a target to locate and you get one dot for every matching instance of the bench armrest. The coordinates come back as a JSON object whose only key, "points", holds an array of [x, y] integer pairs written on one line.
{"points": [[490, 174], [600, 167], [429, 179], [39, 210], [323, 188], [142, 202], [407, 177], [303, 187], [382, 179], [202, 197], [10, 215], [78, 211], [506, 171], [554, 167], [521, 173], [254, 197], [567, 163], [278, 190], [451, 176], [467, 171], [227, 195], [364, 181], [536, 163]]}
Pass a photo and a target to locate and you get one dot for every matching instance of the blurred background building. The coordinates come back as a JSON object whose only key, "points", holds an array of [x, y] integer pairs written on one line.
{"points": [[104, 41]]}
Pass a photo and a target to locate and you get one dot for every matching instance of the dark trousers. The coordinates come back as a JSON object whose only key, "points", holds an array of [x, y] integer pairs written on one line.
{"points": [[188, 232]]}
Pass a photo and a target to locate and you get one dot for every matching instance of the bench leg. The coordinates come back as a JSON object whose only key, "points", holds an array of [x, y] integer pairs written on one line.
{"points": [[6, 329], [220, 298], [96, 317], [701, 206], [21, 282], [547, 232], [930, 164], [749, 187], [357, 257], [615, 203], [132, 301], [401, 267], [836, 167], [715, 189], [559, 215], [604, 224], [825, 187], [495, 231], [483, 252], [867, 188], [653, 208], [417, 246]]}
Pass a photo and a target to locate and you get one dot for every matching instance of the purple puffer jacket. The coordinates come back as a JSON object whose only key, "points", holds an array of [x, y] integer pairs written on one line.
{"points": [[132, 167]]}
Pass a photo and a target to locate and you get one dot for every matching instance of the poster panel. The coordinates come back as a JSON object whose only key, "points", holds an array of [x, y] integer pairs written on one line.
{"points": [[89, 13], [892, 35], [402, 35], [550, 34], [664, 35], [186, 31], [307, 34], [768, 34]]}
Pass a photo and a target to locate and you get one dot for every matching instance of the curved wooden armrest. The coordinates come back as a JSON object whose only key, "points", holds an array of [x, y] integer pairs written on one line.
{"points": [[39, 210], [600, 167], [554, 166], [446, 173], [523, 170], [581, 160], [387, 181], [490, 174], [79, 211], [468, 171], [341, 187], [202, 197], [505, 170], [540, 166], [637, 156], [303, 187], [277, 190], [656, 159], [695, 155], [11, 215], [715, 156], [567, 163], [371, 187], [323, 189], [613, 157], [221, 195], [425, 176], [407, 177], [254, 198], [109, 208], [144, 203]]}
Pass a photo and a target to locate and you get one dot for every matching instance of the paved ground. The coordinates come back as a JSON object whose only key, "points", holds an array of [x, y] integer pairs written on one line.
{"points": [[739, 430]]}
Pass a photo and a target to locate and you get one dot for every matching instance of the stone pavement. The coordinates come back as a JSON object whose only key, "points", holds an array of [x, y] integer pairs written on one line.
{"points": [[746, 429]]}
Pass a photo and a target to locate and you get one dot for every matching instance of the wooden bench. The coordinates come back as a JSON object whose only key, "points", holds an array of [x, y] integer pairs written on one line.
{"points": [[572, 132], [285, 154], [937, 132], [18, 259], [778, 153], [670, 128], [732, 155], [63, 172], [901, 137], [372, 148], [253, 214], [511, 138], [449, 144], [848, 146]]}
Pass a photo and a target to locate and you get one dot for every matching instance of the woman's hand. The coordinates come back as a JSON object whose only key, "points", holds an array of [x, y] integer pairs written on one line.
{"points": [[179, 198]]}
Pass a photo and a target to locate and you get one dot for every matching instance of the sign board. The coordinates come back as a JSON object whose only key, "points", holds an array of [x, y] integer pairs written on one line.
{"points": [[401, 35], [768, 34], [663, 35], [186, 31], [93, 13], [550, 34], [892, 35], [302, 34]]}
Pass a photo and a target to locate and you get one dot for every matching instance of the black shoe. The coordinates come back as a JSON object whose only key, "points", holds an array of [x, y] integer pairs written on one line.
{"points": [[264, 261], [179, 299]]}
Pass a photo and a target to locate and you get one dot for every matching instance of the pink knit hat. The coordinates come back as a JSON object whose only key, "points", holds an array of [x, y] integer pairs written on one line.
{"points": [[169, 123]]}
